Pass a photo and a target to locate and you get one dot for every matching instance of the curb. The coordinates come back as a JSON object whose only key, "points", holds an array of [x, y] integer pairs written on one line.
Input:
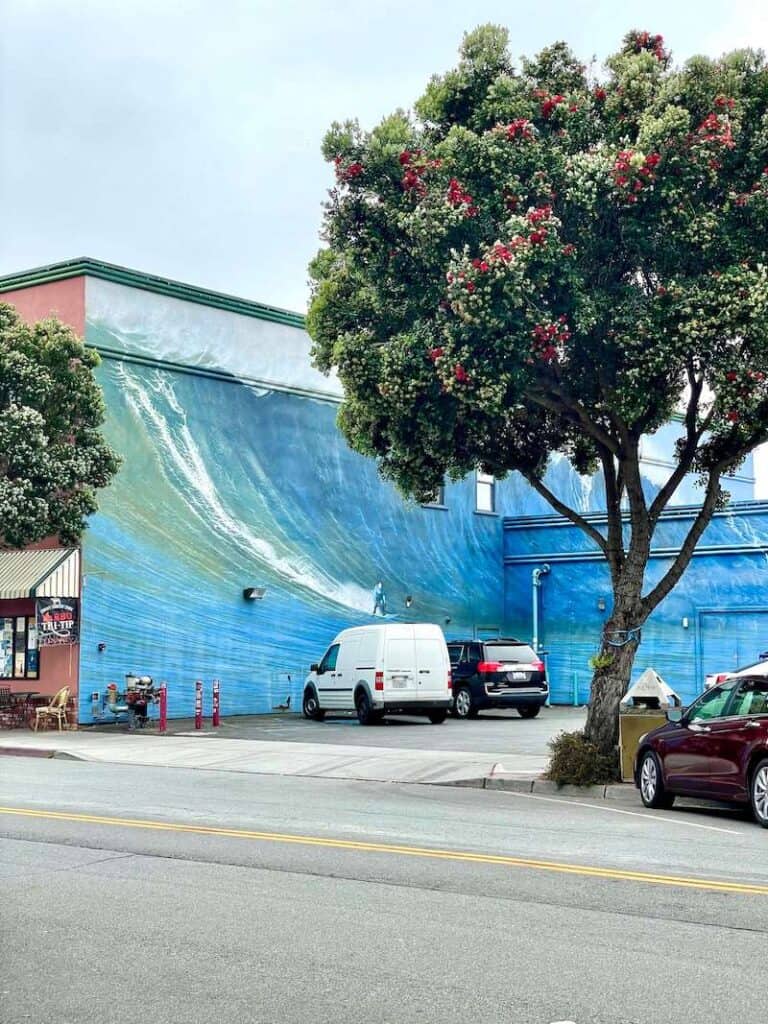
{"points": [[49, 752], [26, 752], [616, 792]]}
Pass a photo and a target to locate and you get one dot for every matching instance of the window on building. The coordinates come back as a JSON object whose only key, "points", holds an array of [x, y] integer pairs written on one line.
{"points": [[438, 501], [485, 492], [18, 647]]}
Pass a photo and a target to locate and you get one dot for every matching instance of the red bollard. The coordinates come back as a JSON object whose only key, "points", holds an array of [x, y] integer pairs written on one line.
{"points": [[198, 703], [215, 717], [163, 707]]}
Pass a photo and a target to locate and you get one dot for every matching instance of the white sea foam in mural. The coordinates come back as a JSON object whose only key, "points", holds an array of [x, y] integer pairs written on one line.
{"points": [[199, 493]]}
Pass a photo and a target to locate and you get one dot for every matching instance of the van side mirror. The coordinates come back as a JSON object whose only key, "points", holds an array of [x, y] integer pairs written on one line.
{"points": [[675, 715], [314, 667]]}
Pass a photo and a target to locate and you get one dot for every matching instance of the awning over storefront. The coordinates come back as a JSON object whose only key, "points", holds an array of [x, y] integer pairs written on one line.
{"points": [[50, 572]]}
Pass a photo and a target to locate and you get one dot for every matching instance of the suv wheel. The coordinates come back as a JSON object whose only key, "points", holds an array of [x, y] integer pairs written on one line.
{"points": [[652, 791], [462, 702], [530, 711], [310, 707], [758, 791]]}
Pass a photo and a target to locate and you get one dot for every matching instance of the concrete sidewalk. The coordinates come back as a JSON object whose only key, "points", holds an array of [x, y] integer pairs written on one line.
{"points": [[320, 760]]}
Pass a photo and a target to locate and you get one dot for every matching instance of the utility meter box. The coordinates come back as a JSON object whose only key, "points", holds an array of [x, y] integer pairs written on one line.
{"points": [[642, 709]]}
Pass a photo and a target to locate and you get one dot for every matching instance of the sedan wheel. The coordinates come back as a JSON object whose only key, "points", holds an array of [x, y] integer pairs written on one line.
{"points": [[759, 793], [652, 790]]}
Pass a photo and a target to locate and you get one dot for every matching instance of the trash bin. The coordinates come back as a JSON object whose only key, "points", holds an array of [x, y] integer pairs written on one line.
{"points": [[642, 708]]}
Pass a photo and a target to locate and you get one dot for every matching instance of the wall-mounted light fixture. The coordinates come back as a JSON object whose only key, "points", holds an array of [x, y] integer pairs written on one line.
{"points": [[408, 601], [685, 622], [101, 648], [601, 604], [254, 593], [448, 621]]}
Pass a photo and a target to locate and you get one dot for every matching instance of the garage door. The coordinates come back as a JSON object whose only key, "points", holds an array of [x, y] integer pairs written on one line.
{"points": [[732, 639]]}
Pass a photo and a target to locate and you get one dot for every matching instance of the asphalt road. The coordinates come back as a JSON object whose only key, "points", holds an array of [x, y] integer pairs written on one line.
{"points": [[166, 895]]}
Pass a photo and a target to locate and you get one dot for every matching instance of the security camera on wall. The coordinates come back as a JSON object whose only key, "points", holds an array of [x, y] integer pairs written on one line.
{"points": [[254, 593]]}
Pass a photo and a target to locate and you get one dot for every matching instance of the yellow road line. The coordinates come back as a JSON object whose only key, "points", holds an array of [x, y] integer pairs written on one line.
{"points": [[586, 870]]}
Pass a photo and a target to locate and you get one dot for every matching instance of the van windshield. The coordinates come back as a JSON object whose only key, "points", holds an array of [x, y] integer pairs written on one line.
{"points": [[510, 652]]}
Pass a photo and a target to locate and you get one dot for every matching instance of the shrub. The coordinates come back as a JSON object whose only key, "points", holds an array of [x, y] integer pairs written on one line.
{"points": [[575, 761]]}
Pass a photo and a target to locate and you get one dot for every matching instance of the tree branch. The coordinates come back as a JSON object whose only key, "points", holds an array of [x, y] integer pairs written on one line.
{"points": [[568, 512], [613, 485], [684, 555], [688, 453], [576, 414]]}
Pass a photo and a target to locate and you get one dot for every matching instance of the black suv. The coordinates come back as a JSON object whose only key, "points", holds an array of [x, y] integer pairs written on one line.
{"points": [[496, 674]]}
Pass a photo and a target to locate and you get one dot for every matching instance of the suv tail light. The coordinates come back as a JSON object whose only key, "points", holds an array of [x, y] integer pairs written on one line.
{"points": [[378, 681], [539, 666], [449, 682], [489, 666]]}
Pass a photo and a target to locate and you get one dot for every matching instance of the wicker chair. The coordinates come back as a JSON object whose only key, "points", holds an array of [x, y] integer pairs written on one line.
{"points": [[7, 709], [57, 709]]}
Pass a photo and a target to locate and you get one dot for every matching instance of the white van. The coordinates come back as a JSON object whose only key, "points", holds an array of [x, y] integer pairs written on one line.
{"points": [[378, 670]]}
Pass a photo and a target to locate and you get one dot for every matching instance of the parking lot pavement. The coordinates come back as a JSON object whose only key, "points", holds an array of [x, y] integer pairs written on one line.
{"points": [[490, 733]]}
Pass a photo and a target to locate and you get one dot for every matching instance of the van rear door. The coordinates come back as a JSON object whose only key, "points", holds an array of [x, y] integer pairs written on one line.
{"points": [[432, 668], [400, 676]]}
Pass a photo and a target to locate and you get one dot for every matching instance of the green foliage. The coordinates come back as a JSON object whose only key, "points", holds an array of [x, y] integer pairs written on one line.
{"points": [[601, 661], [577, 762], [52, 456], [536, 262]]}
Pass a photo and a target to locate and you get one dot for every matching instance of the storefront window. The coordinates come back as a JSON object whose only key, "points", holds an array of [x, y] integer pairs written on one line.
{"points": [[18, 647]]}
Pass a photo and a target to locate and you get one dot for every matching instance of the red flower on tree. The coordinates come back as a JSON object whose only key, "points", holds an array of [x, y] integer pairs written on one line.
{"points": [[458, 197], [460, 373]]}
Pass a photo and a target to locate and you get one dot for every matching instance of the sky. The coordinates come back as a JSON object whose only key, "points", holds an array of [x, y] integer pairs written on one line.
{"points": [[182, 137]]}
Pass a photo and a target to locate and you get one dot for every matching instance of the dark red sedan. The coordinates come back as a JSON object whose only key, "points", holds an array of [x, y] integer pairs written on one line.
{"points": [[717, 749]]}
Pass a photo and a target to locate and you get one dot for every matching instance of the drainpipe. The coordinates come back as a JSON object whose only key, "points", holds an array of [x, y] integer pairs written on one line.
{"points": [[536, 575]]}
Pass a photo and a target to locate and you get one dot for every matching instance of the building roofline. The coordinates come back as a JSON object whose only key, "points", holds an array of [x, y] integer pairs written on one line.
{"points": [[87, 267]]}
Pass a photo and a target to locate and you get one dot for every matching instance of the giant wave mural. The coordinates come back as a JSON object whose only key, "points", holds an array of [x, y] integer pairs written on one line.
{"points": [[227, 485]]}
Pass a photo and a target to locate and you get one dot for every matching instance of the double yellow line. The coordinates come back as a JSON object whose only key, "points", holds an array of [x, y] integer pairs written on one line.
{"points": [[462, 856]]}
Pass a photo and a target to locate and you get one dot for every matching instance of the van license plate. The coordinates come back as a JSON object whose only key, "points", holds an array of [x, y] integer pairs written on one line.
{"points": [[399, 682]]}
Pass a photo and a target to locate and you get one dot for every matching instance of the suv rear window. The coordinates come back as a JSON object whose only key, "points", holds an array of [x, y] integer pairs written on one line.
{"points": [[510, 652]]}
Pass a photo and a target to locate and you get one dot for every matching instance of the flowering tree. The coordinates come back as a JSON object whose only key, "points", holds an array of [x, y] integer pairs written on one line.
{"points": [[52, 455], [536, 262]]}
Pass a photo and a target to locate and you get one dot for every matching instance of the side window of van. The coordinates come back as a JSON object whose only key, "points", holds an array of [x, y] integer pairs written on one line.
{"points": [[328, 664]]}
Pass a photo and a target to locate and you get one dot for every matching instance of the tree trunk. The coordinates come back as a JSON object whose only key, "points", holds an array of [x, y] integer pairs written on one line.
{"points": [[611, 678], [609, 684]]}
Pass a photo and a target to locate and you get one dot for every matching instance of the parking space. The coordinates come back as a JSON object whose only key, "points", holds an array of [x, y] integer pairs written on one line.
{"points": [[489, 733]]}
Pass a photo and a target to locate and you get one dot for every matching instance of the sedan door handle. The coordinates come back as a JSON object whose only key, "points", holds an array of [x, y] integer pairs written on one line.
{"points": [[339, 675], [699, 728], [424, 671], [751, 725]]}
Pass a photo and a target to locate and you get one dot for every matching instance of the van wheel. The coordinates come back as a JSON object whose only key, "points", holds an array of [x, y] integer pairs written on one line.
{"points": [[310, 707], [438, 717], [365, 713], [530, 711]]}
